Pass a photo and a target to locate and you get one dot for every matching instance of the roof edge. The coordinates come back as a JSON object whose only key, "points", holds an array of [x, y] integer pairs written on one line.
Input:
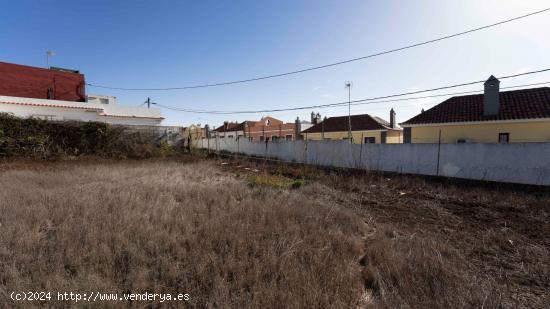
{"points": [[405, 125]]}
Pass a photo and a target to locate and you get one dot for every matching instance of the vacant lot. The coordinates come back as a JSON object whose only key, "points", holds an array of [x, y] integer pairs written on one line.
{"points": [[245, 235]]}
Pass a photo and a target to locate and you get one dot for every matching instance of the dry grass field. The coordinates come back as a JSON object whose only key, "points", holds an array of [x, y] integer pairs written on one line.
{"points": [[238, 234]]}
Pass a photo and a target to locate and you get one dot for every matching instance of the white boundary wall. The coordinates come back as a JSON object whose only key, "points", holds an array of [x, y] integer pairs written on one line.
{"points": [[526, 163]]}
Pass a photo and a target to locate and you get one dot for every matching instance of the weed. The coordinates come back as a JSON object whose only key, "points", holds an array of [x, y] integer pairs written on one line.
{"points": [[297, 183], [265, 179]]}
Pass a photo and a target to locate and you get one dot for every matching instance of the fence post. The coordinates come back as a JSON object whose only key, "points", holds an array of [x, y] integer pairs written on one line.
{"points": [[305, 152], [265, 153], [361, 149], [438, 152]]}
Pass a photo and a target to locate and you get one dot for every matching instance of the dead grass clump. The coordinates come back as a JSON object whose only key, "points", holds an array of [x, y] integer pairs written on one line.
{"points": [[269, 180], [410, 272], [496, 235], [165, 227]]}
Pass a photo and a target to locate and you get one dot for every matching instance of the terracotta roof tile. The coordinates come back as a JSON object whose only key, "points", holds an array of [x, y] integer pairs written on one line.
{"points": [[231, 126], [362, 122], [518, 104]]}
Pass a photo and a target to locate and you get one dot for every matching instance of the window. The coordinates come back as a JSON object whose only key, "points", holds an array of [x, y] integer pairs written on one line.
{"points": [[44, 117], [274, 138], [262, 138], [103, 101], [370, 140], [504, 138], [230, 136], [289, 137]]}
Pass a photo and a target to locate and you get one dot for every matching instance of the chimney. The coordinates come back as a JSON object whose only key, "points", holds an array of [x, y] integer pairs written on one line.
{"points": [[313, 118], [207, 131], [491, 104], [392, 118], [297, 128]]}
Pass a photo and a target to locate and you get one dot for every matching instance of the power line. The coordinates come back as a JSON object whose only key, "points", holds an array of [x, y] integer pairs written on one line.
{"points": [[326, 65], [440, 95], [450, 94], [411, 98], [355, 102]]}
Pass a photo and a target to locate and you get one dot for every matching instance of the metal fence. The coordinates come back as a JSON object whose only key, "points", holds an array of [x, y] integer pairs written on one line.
{"points": [[170, 134]]}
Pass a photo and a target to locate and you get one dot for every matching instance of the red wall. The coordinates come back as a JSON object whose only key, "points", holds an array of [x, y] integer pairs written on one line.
{"points": [[275, 128], [31, 82]]}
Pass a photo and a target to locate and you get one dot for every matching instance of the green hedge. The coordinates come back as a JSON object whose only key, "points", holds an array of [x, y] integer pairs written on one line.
{"points": [[48, 139]]}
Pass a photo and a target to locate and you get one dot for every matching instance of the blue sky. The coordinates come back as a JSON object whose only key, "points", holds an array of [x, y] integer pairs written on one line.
{"points": [[147, 44]]}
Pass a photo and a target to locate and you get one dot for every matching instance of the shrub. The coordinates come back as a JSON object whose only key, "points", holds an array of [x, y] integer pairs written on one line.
{"points": [[42, 139]]}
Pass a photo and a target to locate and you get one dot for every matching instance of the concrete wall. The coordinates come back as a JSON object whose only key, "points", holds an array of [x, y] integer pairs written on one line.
{"points": [[526, 163]]}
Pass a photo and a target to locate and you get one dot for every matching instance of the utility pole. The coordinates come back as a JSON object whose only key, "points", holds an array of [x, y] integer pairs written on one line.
{"points": [[149, 102], [348, 86]]}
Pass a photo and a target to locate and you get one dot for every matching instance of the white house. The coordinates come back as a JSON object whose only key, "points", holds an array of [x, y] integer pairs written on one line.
{"points": [[97, 108]]}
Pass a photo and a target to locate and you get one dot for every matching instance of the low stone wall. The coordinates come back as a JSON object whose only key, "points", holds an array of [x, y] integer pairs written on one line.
{"points": [[525, 163]]}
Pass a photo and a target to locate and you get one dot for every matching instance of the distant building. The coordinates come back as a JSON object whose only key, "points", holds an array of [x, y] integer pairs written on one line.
{"points": [[97, 108], [270, 129], [229, 130], [492, 117], [266, 129], [59, 95], [364, 129], [195, 131]]}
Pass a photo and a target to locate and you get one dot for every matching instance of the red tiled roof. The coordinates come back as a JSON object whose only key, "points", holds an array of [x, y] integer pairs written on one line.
{"points": [[235, 126], [230, 126], [362, 122], [48, 105], [514, 105]]}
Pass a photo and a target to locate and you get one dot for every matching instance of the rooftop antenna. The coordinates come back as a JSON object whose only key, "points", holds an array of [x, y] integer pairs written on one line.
{"points": [[49, 54]]}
